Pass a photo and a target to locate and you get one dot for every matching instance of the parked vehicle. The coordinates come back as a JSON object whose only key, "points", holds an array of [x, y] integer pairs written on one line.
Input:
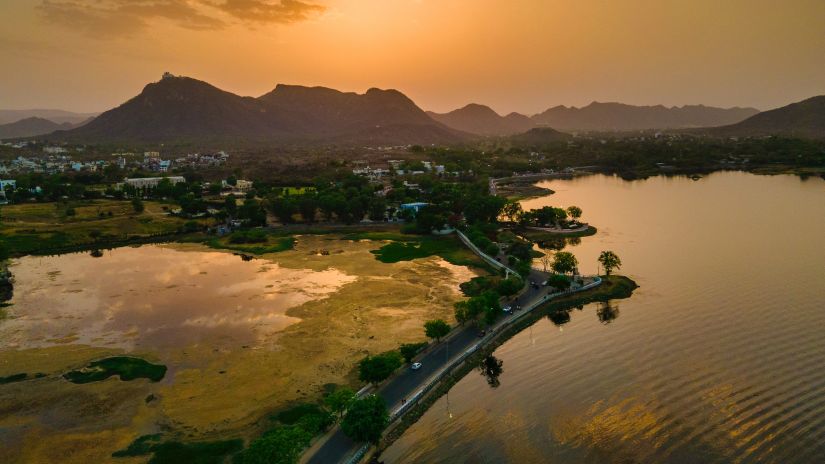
{"points": [[415, 366]]}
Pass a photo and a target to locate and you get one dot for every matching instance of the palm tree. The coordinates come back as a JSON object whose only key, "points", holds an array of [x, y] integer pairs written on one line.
{"points": [[610, 261]]}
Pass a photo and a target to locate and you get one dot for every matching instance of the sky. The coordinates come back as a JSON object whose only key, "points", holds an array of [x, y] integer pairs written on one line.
{"points": [[518, 55]]}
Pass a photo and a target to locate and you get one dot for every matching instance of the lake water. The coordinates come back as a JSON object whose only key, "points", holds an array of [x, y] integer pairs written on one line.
{"points": [[718, 357], [148, 297]]}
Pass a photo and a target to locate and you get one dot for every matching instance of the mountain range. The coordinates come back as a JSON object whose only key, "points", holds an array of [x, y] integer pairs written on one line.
{"points": [[600, 117], [181, 110]]}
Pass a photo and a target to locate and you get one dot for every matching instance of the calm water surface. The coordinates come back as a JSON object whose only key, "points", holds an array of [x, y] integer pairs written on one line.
{"points": [[718, 357], [155, 296]]}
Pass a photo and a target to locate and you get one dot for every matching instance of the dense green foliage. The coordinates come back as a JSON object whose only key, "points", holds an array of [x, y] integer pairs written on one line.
{"points": [[284, 443], [366, 419], [374, 369], [173, 452], [564, 262], [559, 282], [436, 329], [248, 236], [339, 400], [485, 309], [13, 378], [409, 248], [409, 350], [128, 368], [510, 286]]}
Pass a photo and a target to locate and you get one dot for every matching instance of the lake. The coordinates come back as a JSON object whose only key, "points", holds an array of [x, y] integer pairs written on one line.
{"points": [[718, 357]]}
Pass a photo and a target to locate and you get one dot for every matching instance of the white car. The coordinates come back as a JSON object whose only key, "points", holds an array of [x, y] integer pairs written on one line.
{"points": [[507, 309], [416, 366]]}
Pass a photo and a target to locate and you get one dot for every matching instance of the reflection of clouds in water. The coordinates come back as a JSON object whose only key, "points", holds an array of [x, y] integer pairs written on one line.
{"points": [[154, 290]]}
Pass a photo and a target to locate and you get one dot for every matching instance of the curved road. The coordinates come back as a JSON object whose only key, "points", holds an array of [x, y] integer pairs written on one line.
{"points": [[339, 448]]}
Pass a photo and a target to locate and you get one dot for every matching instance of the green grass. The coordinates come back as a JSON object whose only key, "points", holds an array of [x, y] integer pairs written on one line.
{"points": [[126, 367], [272, 244], [294, 414], [13, 378], [448, 248], [173, 452]]}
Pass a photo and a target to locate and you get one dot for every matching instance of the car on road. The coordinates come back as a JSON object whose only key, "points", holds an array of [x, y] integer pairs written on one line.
{"points": [[482, 333], [507, 309], [416, 366]]}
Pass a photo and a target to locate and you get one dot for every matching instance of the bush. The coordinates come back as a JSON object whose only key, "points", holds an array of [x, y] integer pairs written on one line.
{"points": [[559, 282]]}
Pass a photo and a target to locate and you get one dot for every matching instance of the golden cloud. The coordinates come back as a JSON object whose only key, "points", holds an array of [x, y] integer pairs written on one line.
{"points": [[126, 17]]}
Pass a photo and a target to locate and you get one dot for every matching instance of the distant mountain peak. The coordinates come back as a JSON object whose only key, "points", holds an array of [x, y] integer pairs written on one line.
{"points": [[480, 119]]}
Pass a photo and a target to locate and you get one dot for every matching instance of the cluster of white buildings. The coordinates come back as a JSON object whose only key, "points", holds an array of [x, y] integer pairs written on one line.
{"points": [[52, 164], [148, 183], [397, 167], [198, 160]]}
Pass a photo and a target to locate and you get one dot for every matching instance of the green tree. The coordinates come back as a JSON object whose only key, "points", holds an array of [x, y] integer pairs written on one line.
{"points": [[564, 262], [409, 350], [462, 312], [339, 400], [374, 369], [307, 206], [436, 329], [137, 205], [283, 208], [378, 208], [512, 211], [575, 212], [231, 204], [252, 212], [282, 445], [610, 261], [510, 286], [366, 419]]}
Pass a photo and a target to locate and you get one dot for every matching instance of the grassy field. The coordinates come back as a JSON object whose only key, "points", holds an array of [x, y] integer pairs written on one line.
{"points": [[39, 228], [407, 248]]}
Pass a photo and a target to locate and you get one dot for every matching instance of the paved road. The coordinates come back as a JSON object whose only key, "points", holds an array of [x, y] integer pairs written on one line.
{"points": [[339, 447]]}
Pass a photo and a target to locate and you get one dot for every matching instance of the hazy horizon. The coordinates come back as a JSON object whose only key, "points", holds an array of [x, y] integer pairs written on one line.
{"points": [[90, 56]]}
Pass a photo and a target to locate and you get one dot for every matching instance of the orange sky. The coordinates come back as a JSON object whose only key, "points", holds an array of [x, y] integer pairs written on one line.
{"points": [[520, 55]]}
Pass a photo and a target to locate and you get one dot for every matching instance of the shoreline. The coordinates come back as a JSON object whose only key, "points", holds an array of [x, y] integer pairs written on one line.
{"points": [[525, 187], [613, 287]]}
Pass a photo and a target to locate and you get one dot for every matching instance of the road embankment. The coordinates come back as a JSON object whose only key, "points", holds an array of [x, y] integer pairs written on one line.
{"points": [[612, 288]]}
